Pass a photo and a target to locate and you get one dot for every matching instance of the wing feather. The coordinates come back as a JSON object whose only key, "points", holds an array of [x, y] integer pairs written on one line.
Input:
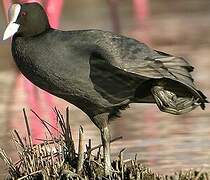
{"points": [[139, 60]]}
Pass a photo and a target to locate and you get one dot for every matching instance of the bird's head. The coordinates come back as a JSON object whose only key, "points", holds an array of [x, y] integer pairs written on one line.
{"points": [[26, 20]]}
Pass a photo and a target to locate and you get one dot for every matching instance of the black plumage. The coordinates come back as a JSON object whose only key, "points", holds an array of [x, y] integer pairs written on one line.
{"points": [[100, 72], [97, 70]]}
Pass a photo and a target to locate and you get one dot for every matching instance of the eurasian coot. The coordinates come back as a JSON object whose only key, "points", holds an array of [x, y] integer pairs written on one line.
{"points": [[98, 71]]}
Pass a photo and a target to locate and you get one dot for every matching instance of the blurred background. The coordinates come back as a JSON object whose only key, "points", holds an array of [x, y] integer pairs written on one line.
{"points": [[163, 142]]}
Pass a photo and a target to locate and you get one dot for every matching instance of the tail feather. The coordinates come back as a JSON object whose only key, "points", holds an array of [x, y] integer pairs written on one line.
{"points": [[204, 99]]}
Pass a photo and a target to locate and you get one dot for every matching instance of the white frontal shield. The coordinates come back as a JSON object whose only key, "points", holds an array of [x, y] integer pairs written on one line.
{"points": [[12, 27]]}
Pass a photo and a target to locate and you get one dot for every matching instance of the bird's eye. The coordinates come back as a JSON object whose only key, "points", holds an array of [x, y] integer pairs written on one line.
{"points": [[23, 13]]}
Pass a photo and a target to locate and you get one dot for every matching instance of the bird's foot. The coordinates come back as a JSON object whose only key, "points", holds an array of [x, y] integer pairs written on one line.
{"points": [[167, 101]]}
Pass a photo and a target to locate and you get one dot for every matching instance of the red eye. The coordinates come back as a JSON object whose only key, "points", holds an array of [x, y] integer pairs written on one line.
{"points": [[23, 13]]}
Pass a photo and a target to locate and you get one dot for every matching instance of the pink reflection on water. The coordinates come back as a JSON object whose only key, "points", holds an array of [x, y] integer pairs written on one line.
{"points": [[141, 11], [54, 10]]}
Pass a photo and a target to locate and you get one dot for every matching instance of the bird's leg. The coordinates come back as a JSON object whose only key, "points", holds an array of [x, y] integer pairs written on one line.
{"points": [[105, 137], [101, 121], [167, 101]]}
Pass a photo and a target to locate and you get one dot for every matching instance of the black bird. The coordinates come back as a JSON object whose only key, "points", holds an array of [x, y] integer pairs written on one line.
{"points": [[98, 71]]}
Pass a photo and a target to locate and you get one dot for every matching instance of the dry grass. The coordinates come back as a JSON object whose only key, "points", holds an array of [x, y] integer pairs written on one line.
{"points": [[56, 158]]}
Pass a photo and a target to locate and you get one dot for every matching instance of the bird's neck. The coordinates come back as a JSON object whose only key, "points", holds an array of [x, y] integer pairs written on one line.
{"points": [[32, 31]]}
